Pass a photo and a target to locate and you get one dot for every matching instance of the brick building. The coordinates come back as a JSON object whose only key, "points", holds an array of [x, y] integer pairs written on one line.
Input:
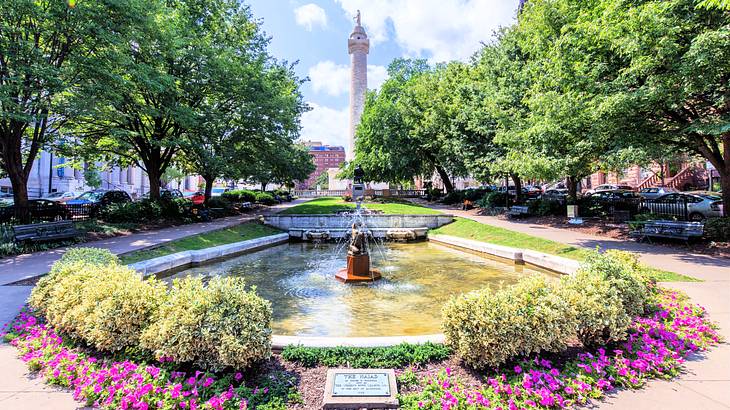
{"points": [[325, 157]]}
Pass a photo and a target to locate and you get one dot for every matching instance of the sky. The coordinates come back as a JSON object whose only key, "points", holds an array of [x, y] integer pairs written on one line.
{"points": [[313, 33]]}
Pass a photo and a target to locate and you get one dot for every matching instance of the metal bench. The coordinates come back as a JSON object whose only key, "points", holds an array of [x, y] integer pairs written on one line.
{"points": [[49, 231], [669, 229], [518, 211]]}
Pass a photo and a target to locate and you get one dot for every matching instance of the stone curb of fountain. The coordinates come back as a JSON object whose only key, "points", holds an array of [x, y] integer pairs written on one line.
{"points": [[187, 258], [519, 256]]}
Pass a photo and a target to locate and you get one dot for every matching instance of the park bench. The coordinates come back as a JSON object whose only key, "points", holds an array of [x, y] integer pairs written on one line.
{"points": [[668, 229], [518, 211], [49, 231]]}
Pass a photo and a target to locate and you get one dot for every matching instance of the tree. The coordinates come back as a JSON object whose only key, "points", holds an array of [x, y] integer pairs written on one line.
{"points": [[405, 130], [46, 46], [160, 82], [282, 165], [665, 79], [323, 181]]}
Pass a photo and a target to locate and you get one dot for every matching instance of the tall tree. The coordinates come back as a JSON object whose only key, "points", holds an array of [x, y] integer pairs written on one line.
{"points": [[46, 46]]}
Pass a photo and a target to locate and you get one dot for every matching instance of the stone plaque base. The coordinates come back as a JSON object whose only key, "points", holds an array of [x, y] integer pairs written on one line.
{"points": [[360, 389]]}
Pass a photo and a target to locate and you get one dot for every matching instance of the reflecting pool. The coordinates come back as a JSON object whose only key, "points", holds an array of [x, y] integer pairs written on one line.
{"points": [[298, 279]]}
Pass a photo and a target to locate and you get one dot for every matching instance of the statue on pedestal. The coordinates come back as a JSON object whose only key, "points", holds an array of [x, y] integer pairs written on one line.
{"points": [[358, 245]]}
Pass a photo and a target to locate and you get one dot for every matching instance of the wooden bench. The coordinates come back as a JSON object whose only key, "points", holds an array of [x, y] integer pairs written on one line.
{"points": [[518, 211], [669, 229], [49, 231]]}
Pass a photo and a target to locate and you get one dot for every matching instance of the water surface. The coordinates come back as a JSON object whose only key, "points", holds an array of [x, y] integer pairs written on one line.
{"points": [[307, 300]]}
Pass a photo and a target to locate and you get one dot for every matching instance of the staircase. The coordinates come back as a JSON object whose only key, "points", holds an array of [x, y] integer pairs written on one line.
{"points": [[676, 182]]}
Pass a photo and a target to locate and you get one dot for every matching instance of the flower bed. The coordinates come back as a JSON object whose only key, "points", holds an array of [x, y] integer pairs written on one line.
{"points": [[657, 346]]}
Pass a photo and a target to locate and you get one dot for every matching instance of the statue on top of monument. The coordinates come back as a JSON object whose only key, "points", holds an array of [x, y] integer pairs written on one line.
{"points": [[359, 174], [357, 18]]}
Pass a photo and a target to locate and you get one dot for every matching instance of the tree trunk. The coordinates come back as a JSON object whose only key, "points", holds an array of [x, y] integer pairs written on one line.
{"points": [[209, 181], [445, 179], [572, 183], [263, 186], [725, 186], [518, 188]]}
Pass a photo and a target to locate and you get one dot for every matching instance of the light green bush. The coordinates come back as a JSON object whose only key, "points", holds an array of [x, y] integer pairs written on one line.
{"points": [[625, 274], [118, 306], [64, 303], [215, 326], [487, 328], [70, 262], [598, 309]]}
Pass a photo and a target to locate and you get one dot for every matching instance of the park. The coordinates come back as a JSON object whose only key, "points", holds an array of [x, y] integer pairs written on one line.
{"points": [[200, 208]]}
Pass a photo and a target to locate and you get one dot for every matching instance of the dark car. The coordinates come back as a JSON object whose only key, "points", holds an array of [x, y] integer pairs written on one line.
{"points": [[618, 200], [38, 210], [166, 194], [98, 199]]}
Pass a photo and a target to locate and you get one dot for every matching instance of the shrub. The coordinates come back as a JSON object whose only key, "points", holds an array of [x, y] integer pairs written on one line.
{"points": [[214, 326], [543, 207], [265, 198], [624, 273], [118, 305], [219, 202], [145, 210], [240, 195], [718, 229], [453, 197], [495, 199], [174, 208], [65, 299], [365, 357], [597, 306], [73, 259], [487, 328]]}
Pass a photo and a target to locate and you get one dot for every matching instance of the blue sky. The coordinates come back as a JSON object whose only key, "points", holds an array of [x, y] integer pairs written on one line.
{"points": [[315, 33]]}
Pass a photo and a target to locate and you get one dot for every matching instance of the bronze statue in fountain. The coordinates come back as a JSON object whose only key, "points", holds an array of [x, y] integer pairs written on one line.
{"points": [[358, 259]]}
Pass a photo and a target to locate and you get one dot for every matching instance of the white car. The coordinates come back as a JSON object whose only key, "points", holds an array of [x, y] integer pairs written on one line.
{"points": [[609, 187], [655, 192], [62, 196]]}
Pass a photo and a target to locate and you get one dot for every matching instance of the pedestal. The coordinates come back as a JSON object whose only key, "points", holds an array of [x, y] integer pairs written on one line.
{"points": [[358, 270]]}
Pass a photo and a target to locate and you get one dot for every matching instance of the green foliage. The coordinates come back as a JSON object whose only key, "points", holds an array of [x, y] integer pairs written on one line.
{"points": [[454, 197], [357, 357], [543, 207], [219, 325], [265, 198], [72, 259], [488, 328], [144, 210], [495, 200], [92, 177], [718, 229], [322, 181], [240, 195]]}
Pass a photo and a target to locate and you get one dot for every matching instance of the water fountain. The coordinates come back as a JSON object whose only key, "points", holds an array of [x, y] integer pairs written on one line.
{"points": [[358, 268]]}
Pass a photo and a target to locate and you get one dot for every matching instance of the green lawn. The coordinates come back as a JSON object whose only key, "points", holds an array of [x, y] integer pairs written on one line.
{"points": [[329, 205], [245, 231], [466, 228]]}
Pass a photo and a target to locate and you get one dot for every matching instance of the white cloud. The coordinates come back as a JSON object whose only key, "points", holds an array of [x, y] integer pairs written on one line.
{"points": [[334, 79], [310, 15], [439, 29], [329, 125]]}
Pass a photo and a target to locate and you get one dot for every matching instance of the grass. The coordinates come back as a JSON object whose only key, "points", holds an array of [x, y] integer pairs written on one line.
{"points": [[330, 205], [367, 357], [242, 232], [466, 228]]}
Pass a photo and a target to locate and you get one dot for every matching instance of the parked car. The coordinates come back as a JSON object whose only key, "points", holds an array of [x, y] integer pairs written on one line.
{"points": [[197, 197], [6, 199], [166, 194], [62, 196], [99, 199], [533, 191], [39, 209], [655, 192], [699, 205], [559, 194], [218, 191], [609, 187]]}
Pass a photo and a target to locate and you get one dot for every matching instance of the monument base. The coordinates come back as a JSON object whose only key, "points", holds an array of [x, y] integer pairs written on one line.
{"points": [[358, 270]]}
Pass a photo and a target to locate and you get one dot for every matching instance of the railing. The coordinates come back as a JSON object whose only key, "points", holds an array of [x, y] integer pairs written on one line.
{"points": [[676, 208], [310, 193], [15, 215]]}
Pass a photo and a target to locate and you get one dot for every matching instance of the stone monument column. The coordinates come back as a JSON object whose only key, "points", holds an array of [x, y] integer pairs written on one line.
{"points": [[358, 45]]}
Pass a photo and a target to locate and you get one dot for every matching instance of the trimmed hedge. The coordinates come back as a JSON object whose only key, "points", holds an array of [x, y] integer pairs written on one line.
{"points": [[488, 328], [597, 305], [265, 198], [718, 229], [240, 195], [215, 326], [367, 357]]}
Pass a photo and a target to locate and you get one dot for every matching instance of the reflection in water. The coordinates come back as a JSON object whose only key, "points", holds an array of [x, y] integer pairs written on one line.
{"points": [[298, 279]]}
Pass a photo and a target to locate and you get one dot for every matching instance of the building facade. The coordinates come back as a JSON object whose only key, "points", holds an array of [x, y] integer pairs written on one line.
{"points": [[49, 174], [325, 157]]}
